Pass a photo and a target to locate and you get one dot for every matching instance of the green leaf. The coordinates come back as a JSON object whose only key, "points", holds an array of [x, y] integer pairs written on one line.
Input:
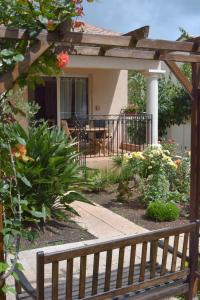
{"points": [[6, 239], [24, 179], [3, 267], [37, 214], [8, 289], [7, 61], [21, 141], [18, 57], [6, 53]]}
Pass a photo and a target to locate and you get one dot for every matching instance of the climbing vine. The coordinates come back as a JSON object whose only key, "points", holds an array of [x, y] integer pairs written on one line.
{"points": [[33, 17]]}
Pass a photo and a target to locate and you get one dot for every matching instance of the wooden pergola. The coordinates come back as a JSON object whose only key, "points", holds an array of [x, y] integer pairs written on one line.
{"points": [[133, 45]]}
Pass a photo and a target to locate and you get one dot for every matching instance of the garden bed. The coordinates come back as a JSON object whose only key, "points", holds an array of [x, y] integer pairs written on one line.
{"points": [[133, 209], [55, 233]]}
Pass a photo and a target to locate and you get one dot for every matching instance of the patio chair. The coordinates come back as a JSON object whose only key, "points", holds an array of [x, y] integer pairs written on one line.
{"points": [[65, 128], [103, 139]]}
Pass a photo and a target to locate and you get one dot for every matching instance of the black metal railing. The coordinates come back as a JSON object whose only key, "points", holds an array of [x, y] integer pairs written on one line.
{"points": [[108, 135]]}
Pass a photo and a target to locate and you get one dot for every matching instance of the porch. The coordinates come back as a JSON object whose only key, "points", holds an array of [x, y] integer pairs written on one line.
{"points": [[109, 135]]}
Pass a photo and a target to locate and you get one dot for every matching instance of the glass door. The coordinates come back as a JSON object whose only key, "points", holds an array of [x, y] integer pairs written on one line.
{"points": [[73, 98]]}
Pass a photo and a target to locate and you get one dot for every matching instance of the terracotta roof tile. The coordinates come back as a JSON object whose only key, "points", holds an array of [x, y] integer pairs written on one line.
{"points": [[88, 28]]}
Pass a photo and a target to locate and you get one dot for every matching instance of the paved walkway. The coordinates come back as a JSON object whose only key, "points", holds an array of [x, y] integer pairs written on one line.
{"points": [[100, 222], [103, 223]]}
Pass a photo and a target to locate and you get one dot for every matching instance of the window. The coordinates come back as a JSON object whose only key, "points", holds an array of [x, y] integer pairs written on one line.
{"points": [[73, 97]]}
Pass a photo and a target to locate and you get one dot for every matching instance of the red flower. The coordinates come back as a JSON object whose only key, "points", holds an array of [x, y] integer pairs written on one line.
{"points": [[79, 11], [78, 24], [77, 1], [62, 59]]}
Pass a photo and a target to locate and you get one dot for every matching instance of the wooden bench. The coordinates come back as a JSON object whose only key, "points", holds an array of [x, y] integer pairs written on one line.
{"points": [[137, 267]]}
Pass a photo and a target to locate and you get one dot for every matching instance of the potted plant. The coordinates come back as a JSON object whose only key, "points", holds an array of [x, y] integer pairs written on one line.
{"points": [[130, 109]]}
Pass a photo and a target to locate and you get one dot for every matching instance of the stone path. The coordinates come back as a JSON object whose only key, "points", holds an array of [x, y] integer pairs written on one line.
{"points": [[99, 221]]}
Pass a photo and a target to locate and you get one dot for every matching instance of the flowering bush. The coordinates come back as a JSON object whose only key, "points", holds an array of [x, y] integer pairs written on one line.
{"points": [[182, 179], [169, 145], [155, 187], [162, 177], [152, 160]]}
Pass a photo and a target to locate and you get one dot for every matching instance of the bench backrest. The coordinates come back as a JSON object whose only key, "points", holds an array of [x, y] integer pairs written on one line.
{"points": [[156, 266]]}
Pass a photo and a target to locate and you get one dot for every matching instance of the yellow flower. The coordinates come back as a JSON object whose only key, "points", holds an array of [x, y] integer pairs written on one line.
{"points": [[138, 155]]}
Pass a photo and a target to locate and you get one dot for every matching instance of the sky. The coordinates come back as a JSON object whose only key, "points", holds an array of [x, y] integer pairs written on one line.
{"points": [[163, 16]]}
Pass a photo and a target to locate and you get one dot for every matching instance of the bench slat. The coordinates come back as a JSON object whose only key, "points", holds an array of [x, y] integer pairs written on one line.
{"points": [[143, 261], [153, 258], [141, 285], [83, 261], [55, 281], [174, 257], [95, 274], [132, 264], [108, 270], [164, 256], [120, 267], [184, 251], [122, 242], [69, 279], [40, 275]]}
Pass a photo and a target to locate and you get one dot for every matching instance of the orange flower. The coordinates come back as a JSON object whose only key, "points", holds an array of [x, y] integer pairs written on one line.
{"points": [[15, 152], [19, 152], [22, 149], [62, 59], [50, 25], [178, 162]]}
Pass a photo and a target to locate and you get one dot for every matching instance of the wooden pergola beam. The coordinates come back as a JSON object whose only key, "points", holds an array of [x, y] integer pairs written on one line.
{"points": [[113, 52], [179, 57], [7, 79], [181, 77], [12, 33], [78, 38], [36, 50], [128, 53], [140, 33], [168, 45]]}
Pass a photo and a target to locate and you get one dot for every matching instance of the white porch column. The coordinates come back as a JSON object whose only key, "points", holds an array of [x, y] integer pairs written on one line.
{"points": [[152, 101]]}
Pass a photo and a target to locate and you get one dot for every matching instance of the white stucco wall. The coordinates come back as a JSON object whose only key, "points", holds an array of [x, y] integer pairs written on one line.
{"points": [[181, 135], [108, 89]]}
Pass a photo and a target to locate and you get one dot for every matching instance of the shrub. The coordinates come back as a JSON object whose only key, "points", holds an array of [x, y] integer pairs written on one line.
{"points": [[118, 160], [182, 179], [169, 145], [177, 197], [152, 160], [155, 187], [51, 180], [97, 179], [163, 211]]}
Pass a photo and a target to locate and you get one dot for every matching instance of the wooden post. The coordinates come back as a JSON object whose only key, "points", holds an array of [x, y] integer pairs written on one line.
{"points": [[2, 296], [195, 177]]}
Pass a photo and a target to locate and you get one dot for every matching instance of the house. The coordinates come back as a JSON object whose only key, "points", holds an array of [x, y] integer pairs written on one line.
{"points": [[95, 89]]}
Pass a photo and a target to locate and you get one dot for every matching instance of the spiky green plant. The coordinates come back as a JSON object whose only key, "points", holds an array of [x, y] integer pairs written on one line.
{"points": [[52, 177]]}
